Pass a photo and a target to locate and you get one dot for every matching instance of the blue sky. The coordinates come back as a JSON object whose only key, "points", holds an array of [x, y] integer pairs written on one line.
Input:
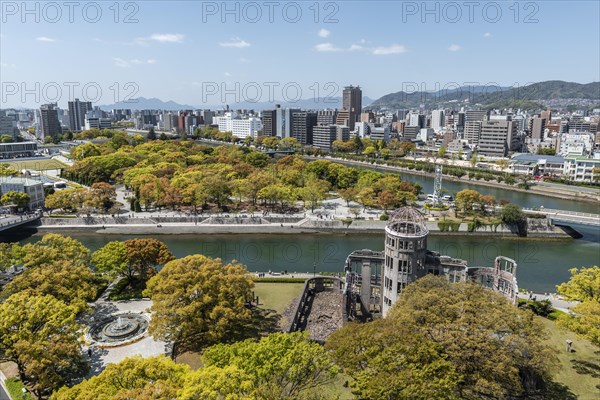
{"points": [[192, 52]]}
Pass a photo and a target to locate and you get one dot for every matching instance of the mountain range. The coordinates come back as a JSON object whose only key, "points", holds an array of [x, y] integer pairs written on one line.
{"points": [[535, 95], [142, 103]]}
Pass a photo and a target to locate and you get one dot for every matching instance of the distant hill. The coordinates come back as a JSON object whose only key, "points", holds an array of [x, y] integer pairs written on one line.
{"points": [[142, 103], [529, 96]]}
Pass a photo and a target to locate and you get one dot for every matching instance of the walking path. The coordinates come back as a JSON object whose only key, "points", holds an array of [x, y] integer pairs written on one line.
{"points": [[556, 300]]}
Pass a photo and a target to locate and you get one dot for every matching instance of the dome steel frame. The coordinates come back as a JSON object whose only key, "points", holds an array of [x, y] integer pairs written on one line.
{"points": [[408, 216]]}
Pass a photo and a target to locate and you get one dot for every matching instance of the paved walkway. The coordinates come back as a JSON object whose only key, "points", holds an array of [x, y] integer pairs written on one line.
{"points": [[556, 300], [145, 347]]}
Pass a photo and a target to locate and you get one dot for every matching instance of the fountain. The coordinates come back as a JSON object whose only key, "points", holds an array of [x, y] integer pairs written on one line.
{"points": [[117, 330]]}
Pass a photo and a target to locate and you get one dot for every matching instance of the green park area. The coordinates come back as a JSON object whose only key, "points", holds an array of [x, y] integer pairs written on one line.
{"points": [[37, 165]]}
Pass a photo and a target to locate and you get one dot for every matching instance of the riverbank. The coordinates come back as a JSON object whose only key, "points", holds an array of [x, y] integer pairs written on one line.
{"points": [[564, 193], [304, 226]]}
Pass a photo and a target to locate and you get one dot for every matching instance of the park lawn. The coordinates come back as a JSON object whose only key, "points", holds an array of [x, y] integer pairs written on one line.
{"points": [[580, 370], [276, 296], [15, 389], [37, 165]]}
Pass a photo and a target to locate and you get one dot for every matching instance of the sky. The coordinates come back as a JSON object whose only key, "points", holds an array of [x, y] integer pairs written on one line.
{"points": [[205, 52]]}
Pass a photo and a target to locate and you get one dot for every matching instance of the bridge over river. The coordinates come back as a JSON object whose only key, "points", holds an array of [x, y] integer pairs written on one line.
{"points": [[563, 217], [12, 221]]}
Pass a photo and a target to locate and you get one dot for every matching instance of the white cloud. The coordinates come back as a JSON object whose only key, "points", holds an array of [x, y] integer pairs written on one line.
{"points": [[227, 74], [121, 63], [45, 39], [454, 47], [393, 49], [487, 34], [324, 33], [244, 60], [236, 43], [379, 50], [167, 37], [158, 37]]}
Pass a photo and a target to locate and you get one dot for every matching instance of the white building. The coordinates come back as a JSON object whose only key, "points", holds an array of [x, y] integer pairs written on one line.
{"points": [[438, 120], [33, 188], [575, 143], [580, 168], [237, 126]]}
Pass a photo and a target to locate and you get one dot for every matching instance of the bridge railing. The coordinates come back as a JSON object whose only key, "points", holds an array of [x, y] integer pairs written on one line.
{"points": [[552, 212]]}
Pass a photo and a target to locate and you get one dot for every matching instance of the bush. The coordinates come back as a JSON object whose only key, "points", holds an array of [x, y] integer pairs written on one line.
{"points": [[384, 217], [443, 226]]}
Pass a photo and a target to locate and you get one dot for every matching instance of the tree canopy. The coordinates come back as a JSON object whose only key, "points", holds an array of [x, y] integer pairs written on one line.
{"points": [[584, 286], [198, 301], [39, 334], [444, 340]]}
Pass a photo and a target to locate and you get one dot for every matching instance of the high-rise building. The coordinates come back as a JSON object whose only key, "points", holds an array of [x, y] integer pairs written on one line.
{"points": [[496, 137], [417, 119], [437, 120], [472, 132], [326, 117], [537, 126], [352, 102], [49, 125], [302, 126], [325, 135], [77, 112], [476, 115], [269, 120], [8, 124]]}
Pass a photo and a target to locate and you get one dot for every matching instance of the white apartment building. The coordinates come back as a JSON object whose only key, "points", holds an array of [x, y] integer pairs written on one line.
{"points": [[580, 168], [237, 126]]}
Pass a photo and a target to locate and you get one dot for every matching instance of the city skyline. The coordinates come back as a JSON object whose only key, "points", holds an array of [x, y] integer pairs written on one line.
{"points": [[184, 52]]}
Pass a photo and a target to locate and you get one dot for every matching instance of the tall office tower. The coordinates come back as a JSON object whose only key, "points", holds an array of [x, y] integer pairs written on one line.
{"points": [[472, 132], [77, 111], [497, 137], [475, 115], [352, 102], [460, 121], [401, 114], [547, 115], [269, 120], [326, 117], [417, 119], [302, 126], [49, 125], [536, 128], [437, 120], [325, 135]]}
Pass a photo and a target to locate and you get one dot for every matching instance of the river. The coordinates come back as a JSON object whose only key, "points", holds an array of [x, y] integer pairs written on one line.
{"points": [[541, 264]]}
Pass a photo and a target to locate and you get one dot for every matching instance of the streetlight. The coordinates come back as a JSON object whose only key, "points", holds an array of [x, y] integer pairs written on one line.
{"points": [[314, 270]]}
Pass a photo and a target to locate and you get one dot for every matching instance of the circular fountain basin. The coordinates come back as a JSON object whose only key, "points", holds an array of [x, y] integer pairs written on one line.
{"points": [[118, 330]]}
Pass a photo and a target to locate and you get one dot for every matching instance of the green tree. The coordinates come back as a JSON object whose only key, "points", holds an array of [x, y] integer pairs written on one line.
{"points": [[314, 192], [19, 199], [282, 365], [198, 301], [369, 151], [512, 214], [584, 319], [442, 151], [348, 195], [467, 198], [54, 247], [112, 260], [144, 255], [39, 334], [133, 378], [151, 134], [446, 340], [74, 285]]}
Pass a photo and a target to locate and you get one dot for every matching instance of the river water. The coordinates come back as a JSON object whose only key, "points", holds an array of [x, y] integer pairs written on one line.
{"points": [[542, 264]]}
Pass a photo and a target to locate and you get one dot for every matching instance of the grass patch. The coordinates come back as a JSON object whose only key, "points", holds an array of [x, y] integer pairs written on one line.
{"points": [[579, 370], [15, 389], [277, 295], [37, 165], [127, 290]]}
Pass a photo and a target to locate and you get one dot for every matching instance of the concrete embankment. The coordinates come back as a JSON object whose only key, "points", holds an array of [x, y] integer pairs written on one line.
{"points": [[305, 226]]}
